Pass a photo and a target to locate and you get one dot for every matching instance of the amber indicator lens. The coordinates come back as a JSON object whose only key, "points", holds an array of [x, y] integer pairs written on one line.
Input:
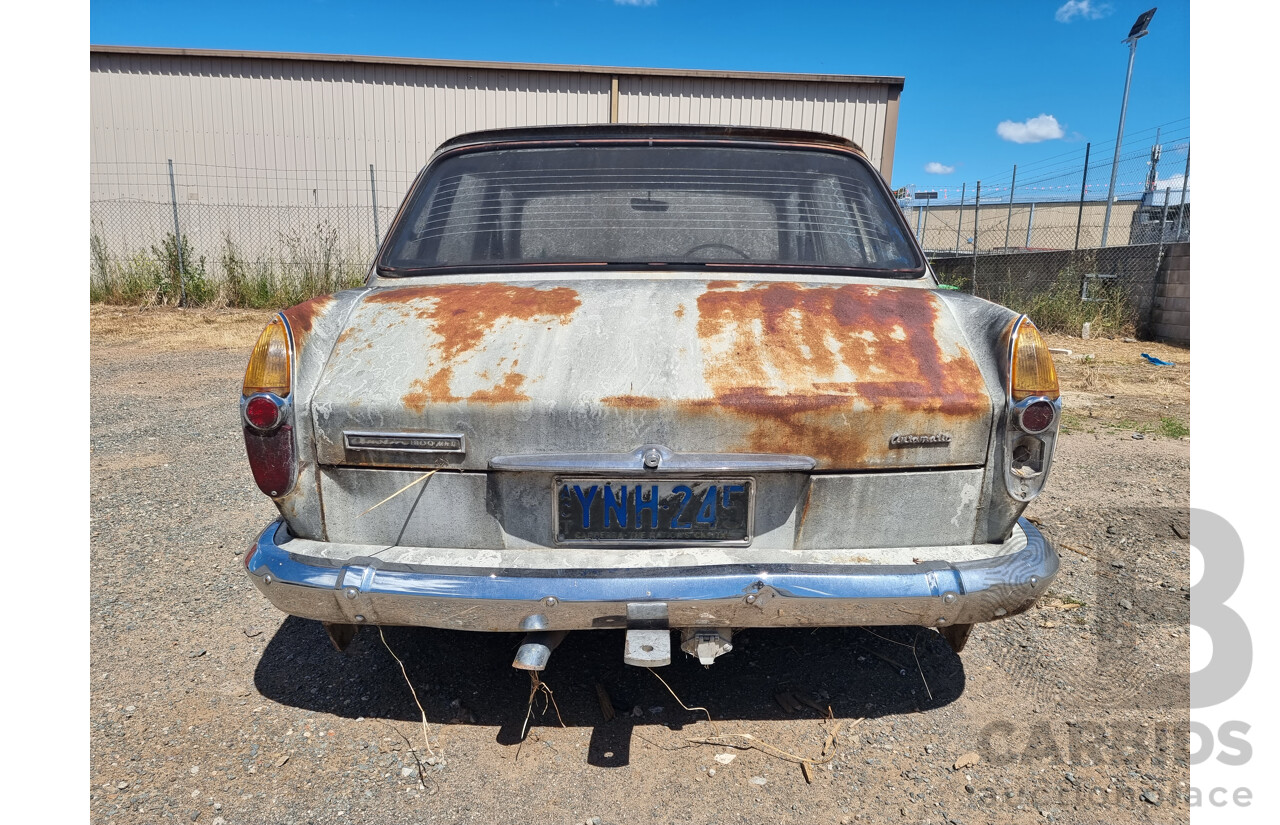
{"points": [[262, 412], [1037, 416], [269, 366], [1032, 369]]}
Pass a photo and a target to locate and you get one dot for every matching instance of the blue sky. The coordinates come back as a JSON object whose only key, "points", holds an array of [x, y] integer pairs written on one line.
{"points": [[1052, 71]]}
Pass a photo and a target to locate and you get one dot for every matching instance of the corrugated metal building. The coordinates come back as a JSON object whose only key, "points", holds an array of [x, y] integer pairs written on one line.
{"points": [[267, 145]]}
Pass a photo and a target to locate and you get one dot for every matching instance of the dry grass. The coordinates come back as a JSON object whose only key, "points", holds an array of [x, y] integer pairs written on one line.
{"points": [[169, 329], [1107, 383]]}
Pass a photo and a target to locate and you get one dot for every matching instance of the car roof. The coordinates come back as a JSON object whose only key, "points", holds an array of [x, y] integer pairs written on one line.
{"points": [[663, 131]]}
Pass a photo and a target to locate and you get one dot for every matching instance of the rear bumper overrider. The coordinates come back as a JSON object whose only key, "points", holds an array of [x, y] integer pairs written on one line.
{"points": [[365, 590]]}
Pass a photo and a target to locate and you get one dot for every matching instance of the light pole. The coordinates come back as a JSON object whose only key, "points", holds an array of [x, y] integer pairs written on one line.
{"points": [[1139, 30]]}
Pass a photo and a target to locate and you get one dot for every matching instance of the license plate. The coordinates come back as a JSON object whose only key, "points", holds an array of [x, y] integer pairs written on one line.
{"points": [[669, 511]]}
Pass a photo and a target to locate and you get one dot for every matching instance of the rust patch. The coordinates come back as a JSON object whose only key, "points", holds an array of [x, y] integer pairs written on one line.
{"points": [[507, 391], [302, 318], [679, 313], [434, 389], [631, 402], [462, 315], [722, 285], [799, 364], [346, 333]]}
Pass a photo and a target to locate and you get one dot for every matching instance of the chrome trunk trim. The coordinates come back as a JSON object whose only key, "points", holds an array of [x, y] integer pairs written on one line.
{"points": [[641, 461]]}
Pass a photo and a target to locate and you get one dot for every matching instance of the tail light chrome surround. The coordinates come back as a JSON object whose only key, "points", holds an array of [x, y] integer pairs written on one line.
{"points": [[271, 450], [1027, 454]]}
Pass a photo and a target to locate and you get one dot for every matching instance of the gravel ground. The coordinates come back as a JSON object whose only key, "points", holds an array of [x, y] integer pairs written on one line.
{"points": [[207, 705]]}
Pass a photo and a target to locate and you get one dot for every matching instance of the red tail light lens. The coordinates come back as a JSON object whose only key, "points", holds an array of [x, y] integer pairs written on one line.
{"points": [[271, 457], [262, 412], [1036, 417], [268, 417]]}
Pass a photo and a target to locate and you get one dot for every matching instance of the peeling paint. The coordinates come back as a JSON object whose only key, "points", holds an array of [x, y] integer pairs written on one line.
{"points": [[802, 363], [632, 402], [462, 316], [302, 318]]}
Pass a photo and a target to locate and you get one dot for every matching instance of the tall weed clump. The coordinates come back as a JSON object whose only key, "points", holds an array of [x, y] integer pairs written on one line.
{"points": [[305, 263]]}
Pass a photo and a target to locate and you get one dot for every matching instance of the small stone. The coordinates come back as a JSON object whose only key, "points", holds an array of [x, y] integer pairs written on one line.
{"points": [[725, 758], [1138, 436], [217, 806], [595, 820], [131, 709], [1152, 797], [253, 632], [1180, 531], [195, 769], [196, 654], [758, 780], [217, 820], [967, 759], [1071, 777], [195, 815], [1126, 604], [1119, 565], [711, 771], [121, 785], [656, 709], [928, 748], [637, 712], [1111, 530], [407, 771], [969, 789], [280, 762]]}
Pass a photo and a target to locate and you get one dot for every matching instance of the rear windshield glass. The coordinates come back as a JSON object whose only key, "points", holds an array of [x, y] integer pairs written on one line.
{"points": [[677, 205]]}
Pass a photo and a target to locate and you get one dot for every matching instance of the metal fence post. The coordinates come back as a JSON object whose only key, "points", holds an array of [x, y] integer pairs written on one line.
{"points": [[1031, 219], [960, 215], [1008, 221], [1164, 213], [925, 231], [373, 190], [177, 238], [977, 203], [1084, 184], [1182, 204]]}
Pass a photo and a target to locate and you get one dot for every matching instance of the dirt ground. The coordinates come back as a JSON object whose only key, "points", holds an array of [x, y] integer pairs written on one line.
{"points": [[208, 705]]}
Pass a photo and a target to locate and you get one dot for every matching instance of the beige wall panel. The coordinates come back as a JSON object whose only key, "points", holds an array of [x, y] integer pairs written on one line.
{"points": [[857, 111]]}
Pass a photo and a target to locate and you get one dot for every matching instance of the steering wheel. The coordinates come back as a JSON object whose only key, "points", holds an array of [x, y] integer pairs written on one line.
{"points": [[735, 250]]}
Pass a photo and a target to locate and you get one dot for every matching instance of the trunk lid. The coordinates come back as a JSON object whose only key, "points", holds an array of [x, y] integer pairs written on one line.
{"points": [[856, 375]]}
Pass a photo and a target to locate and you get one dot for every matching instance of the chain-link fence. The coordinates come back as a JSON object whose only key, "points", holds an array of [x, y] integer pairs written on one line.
{"points": [[250, 237], [1040, 238]]}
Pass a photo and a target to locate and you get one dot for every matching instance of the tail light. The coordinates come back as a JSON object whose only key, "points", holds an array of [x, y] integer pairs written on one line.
{"points": [[1031, 368], [266, 410], [1034, 407]]}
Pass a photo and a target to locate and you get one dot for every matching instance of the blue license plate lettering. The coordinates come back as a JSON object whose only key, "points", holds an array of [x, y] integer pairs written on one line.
{"points": [[672, 510]]}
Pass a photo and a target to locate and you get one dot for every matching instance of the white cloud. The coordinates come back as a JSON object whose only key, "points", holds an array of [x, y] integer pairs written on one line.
{"points": [[635, 2], [1084, 9], [935, 168], [1032, 130]]}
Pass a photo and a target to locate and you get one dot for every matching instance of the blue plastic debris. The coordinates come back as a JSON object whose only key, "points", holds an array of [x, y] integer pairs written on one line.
{"points": [[1157, 361]]}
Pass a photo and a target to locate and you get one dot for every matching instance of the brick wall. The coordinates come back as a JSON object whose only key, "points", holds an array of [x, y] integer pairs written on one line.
{"points": [[1171, 313]]}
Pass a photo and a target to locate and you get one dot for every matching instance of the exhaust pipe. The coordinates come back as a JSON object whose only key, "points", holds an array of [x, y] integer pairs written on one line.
{"points": [[536, 649]]}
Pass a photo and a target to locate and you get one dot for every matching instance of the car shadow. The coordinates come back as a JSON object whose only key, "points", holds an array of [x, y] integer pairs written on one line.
{"points": [[466, 678]]}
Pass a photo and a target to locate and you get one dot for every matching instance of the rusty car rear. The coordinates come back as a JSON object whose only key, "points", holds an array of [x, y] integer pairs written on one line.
{"points": [[614, 386]]}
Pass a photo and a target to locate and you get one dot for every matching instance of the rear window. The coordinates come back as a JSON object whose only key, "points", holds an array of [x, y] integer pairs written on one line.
{"points": [[645, 205]]}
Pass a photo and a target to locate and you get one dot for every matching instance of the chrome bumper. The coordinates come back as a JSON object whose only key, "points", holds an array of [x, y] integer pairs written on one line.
{"points": [[366, 590]]}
